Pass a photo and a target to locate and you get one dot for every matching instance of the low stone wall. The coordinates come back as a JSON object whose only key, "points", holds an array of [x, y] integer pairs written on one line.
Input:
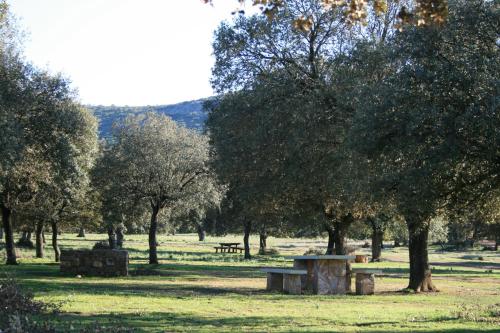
{"points": [[95, 262]]}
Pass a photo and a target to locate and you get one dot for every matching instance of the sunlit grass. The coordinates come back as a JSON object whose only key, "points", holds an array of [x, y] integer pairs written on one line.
{"points": [[194, 289]]}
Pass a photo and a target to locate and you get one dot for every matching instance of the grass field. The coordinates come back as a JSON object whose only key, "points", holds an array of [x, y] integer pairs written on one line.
{"points": [[196, 290]]}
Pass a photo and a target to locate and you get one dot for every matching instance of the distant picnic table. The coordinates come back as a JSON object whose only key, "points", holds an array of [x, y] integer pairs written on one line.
{"points": [[228, 247]]}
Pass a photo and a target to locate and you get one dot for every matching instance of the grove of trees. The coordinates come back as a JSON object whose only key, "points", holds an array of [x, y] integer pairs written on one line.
{"points": [[331, 120], [368, 123]]}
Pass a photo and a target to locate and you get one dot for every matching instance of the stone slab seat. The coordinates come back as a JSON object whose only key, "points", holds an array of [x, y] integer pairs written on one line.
{"points": [[284, 280], [365, 280]]}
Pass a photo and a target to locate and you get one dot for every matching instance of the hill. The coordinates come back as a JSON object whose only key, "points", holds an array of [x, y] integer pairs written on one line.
{"points": [[189, 113]]}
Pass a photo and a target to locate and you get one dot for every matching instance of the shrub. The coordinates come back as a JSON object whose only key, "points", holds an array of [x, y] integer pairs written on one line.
{"points": [[16, 307], [314, 251], [101, 245], [13, 300], [269, 252]]}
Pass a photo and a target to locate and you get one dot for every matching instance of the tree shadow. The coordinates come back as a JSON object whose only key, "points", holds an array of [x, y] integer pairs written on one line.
{"points": [[469, 264], [173, 322]]}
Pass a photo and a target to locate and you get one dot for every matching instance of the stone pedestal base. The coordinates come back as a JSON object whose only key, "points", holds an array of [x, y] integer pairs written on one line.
{"points": [[275, 282], [292, 284], [365, 284], [330, 277], [306, 280]]}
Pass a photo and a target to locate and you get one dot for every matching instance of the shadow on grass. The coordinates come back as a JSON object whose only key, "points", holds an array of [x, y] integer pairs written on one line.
{"points": [[469, 264], [90, 287], [182, 322]]}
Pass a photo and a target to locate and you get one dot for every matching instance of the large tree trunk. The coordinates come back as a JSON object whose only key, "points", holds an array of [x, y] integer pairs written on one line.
{"points": [[340, 233], [55, 245], [377, 237], [40, 242], [81, 232], [153, 255], [331, 239], [201, 233], [120, 237], [111, 237], [9, 237], [263, 242], [420, 271], [247, 229]]}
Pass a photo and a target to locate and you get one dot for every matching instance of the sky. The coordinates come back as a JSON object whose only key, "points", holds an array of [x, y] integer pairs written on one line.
{"points": [[125, 52]]}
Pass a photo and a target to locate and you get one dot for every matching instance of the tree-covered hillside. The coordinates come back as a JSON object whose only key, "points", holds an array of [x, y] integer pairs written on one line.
{"points": [[190, 114]]}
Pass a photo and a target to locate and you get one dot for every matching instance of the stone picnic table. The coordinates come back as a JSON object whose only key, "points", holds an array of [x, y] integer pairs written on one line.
{"points": [[326, 274], [228, 247]]}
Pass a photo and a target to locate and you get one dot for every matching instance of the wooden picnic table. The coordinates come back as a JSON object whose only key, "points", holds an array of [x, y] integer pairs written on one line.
{"points": [[326, 274], [228, 247]]}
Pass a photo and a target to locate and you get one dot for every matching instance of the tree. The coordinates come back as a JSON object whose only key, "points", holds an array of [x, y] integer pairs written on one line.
{"points": [[425, 12], [157, 163], [432, 123]]}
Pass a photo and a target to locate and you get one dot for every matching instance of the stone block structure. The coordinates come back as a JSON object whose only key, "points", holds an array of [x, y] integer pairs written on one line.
{"points": [[95, 262]]}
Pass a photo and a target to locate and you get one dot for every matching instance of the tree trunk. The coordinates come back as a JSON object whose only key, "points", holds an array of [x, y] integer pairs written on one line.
{"points": [[9, 237], [201, 233], [153, 255], [420, 272], [246, 237], [120, 237], [24, 237], [396, 243], [262, 242], [111, 237], [1, 232], [40, 243], [377, 237], [55, 245], [81, 232], [331, 240], [28, 236], [340, 233]]}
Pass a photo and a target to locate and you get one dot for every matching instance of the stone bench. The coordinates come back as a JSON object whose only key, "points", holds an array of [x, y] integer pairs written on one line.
{"points": [[365, 280], [284, 280]]}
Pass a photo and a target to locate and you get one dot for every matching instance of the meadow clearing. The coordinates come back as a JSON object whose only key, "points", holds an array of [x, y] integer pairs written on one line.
{"points": [[195, 290]]}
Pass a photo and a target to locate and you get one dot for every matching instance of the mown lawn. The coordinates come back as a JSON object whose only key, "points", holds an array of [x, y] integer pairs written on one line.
{"points": [[196, 290]]}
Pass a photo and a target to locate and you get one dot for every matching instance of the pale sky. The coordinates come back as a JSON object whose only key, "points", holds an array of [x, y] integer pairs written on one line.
{"points": [[125, 52]]}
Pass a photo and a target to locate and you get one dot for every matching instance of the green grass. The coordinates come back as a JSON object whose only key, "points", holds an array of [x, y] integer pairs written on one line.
{"points": [[196, 290]]}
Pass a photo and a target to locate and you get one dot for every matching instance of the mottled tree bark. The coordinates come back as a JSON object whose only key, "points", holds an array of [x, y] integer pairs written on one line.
{"points": [[81, 232], [246, 238], [55, 244], [340, 233], [40, 242], [120, 237], [331, 239], [420, 271], [377, 237], [262, 242], [111, 237], [153, 255], [201, 233], [9, 237]]}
